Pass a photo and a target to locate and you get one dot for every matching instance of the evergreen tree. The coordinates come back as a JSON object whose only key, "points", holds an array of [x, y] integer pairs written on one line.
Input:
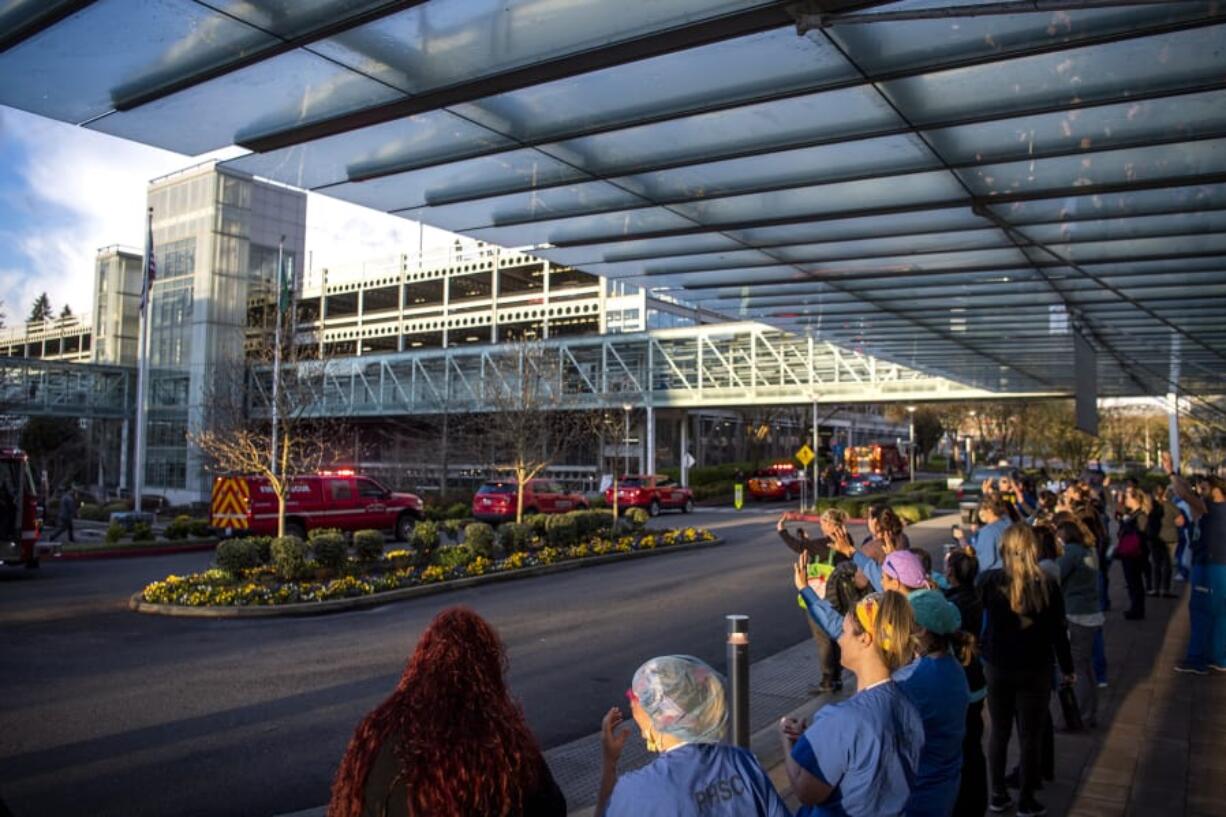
{"points": [[66, 312], [41, 311]]}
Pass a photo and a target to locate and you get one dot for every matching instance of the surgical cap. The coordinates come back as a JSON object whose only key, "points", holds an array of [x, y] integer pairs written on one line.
{"points": [[906, 567], [934, 612], [682, 697]]}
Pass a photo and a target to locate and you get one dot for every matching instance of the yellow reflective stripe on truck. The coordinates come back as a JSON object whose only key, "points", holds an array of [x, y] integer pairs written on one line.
{"points": [[230, 501]]}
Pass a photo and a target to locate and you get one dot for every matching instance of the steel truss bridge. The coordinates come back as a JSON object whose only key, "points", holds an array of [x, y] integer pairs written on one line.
{"points": [[718, 365], [40, 388]]}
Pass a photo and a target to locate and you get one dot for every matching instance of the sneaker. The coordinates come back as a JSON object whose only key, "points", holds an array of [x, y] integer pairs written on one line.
{"points": [[1191, 669], [1031, 808], [1000, 803]]}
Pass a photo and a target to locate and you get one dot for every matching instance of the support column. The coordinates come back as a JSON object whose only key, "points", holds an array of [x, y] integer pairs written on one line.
{"points": [[649, 441], [1172, 403], [123, 455], [685, 449]]}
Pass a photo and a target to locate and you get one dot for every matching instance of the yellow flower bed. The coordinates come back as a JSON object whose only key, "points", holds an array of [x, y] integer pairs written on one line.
{"points": [[260, 586]]}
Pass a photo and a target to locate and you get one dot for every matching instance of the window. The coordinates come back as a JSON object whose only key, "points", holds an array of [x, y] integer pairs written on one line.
{"points": [[370, 489], [341, 492], [176, 259]]}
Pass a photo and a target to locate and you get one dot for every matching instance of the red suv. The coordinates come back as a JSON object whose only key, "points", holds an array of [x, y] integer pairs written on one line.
{"points": [[781, 481], [495, 501], [655, 493]]}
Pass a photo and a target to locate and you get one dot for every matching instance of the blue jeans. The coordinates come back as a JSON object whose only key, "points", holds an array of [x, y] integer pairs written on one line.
{"points": [[1099, 657], [1104, 580], [1207, 616]]}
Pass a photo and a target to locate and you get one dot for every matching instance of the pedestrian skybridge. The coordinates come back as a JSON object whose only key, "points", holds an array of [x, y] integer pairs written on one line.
{"points": [[41, 388], [969, 187], [720, 365]]}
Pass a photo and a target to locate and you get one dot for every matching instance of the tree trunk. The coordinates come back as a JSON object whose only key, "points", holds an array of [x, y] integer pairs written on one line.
{"points": [[281, 512]]}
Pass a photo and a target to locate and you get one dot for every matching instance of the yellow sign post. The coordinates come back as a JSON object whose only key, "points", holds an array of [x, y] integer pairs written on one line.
{"points": [[805, 455]]}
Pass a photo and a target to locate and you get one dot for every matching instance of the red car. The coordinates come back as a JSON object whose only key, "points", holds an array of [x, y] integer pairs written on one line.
{"points": [[782, 481], [495, 501], [330, 499], [655, 493]]}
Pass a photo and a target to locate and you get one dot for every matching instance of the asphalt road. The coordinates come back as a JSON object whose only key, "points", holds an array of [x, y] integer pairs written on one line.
{"points": [[107, 712]]}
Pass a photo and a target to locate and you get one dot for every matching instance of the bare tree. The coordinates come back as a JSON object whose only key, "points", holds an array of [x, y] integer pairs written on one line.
{"points": [[527, 429], [236, 436]]}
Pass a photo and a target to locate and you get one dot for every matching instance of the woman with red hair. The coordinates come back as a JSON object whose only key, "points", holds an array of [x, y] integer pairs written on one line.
{"points": [[449, 741]]}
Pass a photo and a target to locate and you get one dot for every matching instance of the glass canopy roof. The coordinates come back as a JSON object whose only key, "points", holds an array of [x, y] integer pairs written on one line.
{"points": [[956, 185]]}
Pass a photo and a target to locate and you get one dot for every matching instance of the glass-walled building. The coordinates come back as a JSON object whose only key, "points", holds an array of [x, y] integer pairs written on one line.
{"points": [[214, 233]]}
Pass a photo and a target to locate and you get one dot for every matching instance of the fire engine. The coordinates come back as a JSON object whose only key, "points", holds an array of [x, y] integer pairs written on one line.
{"points": [[19, 528], [340, 499], [780, 481], [876, 458]]}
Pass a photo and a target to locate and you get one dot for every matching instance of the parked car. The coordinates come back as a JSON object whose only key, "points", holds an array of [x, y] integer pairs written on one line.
{"points": [[780, 481], [330, 499], [653, 492], [495, 501]]}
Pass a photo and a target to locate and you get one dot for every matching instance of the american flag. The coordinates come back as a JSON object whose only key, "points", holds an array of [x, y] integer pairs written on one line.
{"points": [[151, 268]]}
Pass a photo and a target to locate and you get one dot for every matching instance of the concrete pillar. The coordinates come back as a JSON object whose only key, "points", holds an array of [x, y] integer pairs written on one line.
{"points": [[649, 441], [685, 449], [1172, 402]]}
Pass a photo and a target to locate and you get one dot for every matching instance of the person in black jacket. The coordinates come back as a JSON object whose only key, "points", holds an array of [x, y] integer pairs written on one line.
{"points": [[961, 569], [1024, 627], [833, 523]]}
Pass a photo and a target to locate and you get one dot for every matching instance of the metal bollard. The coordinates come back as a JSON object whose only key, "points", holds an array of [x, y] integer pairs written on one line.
{"points": [[738, 678]]}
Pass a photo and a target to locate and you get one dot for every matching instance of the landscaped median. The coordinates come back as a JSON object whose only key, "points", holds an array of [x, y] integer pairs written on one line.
{"points": [[261, 577]]}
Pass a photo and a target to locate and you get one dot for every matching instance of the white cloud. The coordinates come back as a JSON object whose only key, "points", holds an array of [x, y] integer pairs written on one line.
{"points": [[86, 190]]}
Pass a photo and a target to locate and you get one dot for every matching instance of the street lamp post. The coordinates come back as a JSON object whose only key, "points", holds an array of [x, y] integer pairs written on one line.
{"points": [[626, 407], [911, 447]]}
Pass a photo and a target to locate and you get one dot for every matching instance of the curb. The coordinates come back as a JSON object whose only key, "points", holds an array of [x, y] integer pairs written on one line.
{"points": [[315, 608], [130, 552]]}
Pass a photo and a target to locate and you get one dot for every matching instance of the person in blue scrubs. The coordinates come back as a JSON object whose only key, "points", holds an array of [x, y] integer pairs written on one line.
{"points": [[936, 683], [678, 704], [860, 757]]}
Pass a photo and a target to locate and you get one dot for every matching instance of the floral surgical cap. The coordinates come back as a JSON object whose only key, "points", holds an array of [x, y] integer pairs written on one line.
{"points": [[683, 697]]}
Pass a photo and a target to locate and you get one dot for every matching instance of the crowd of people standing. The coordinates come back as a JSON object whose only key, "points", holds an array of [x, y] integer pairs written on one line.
{"points": [[1016, 615]]}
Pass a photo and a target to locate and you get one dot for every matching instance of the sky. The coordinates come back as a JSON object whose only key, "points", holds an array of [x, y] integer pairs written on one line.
{"points": [[66, 191]]}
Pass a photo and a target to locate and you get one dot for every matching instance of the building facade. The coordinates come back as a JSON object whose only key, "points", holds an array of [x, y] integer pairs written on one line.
{"points": [[216, 235]]}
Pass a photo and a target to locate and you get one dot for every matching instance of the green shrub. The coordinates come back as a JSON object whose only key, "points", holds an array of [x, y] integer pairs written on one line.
{"points": [[854, 508], [923, 485], [236, 555], [453, 528], [330, 550], [539, 522], [432, 513], [637, 516], [597, 503], [513, 537], [200, 528], [713, 490], [453, 557], [946, 500], [263, 548], [480, 538], [425, 535], [119, 506], [115, 532], [289, 557], [141, 532], [318, 532], [562, 530], [179, 528], [458, 510], [91, 512], [368, 545]]}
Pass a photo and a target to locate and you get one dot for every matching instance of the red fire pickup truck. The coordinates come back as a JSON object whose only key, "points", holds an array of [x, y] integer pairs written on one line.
{"points": [[653, 492], [330, 499], [18, 510]]}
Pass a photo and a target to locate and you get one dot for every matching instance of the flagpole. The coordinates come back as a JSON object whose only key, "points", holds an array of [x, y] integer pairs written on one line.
{"points": [[276, 360], [142, 369]]}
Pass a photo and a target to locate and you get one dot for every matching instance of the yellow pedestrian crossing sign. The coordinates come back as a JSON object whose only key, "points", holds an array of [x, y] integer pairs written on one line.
{"points": [[805, 455]]}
